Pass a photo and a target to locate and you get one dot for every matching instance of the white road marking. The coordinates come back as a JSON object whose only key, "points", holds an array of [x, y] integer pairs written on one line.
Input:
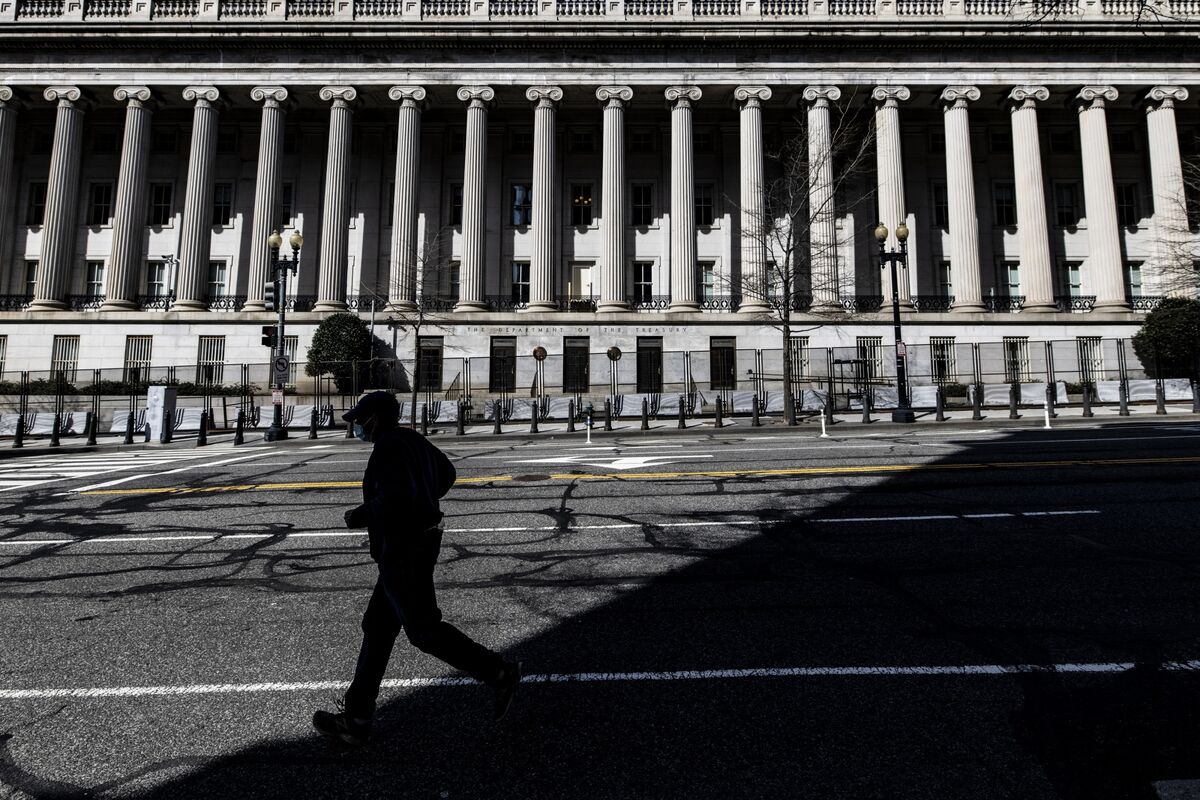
{"points": [[262, 452], [317, 447], [933, 671], [616, 462]]}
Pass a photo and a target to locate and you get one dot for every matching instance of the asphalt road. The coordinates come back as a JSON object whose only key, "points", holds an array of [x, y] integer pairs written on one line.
{"points": [[945, 614]]}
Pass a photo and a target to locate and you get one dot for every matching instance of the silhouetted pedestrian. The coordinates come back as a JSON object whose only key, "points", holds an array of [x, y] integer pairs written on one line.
{"points": [[405, 478]]}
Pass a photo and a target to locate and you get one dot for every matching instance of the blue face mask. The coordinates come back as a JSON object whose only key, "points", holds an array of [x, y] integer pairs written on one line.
{"points": [[360, 433]]}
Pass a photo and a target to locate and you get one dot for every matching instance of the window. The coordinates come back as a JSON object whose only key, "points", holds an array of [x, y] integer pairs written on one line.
{"points": [[1010, 277], [703, 141], [104, 140], [1016, 359], [1000, 141], [35, 204], [522, 142], [291, 141], [137, 358], [456, 204], [287, 204], [31, 278], [870, 354], [95, 279], [164, 142], [520, 282], [291, 348], [217, 273], [227, 140], [1091, 358], [705, 204], [156, 279], [941, 355], [582, 142], [222, 204], [1004, 205], [522, 204], [576, 364], [1127, 205], [502, 375], [941, 206], [1062, 141], [454, 273], [429, 363], [1133, 278], [1123, 141], [945, 280], [643, 282], [937, 140], [649, 364], [642, 209], [722, 362], [458, 140], [100, 204], [162, 196], [641, 140], [1066, 205], [798, 349], [64, 357], [708, 280], [1072, 278], [210, 360], [581, 204]]}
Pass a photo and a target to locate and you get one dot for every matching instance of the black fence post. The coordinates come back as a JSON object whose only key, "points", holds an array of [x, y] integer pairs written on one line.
{"points": [[977, 402], [349, 430], [1123, 397], [719, 417], [1087, 401], [19, 436], [1050, 399], [1160, 397], [940, 407], [645, 414], [607, 414], [312, 424], [129, 428], [460, 421], [533, 417], [496, 417], [754, 420], [682, 423], [425, 419], [202, 434], [866, 406], [239, 431], [827, 410], [571, 416], [93, 421], [55, 430], [1014, 390]]}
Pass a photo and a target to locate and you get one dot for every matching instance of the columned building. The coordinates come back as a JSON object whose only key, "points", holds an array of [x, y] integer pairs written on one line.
{"points": [[586, 174]]}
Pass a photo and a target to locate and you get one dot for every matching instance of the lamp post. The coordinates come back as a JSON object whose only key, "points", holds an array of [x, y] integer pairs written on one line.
{"points": [[280, 267], [903, 412]]}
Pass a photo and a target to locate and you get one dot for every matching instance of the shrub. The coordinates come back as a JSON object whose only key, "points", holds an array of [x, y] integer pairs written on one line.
{"points": [[1168, 345], [339, 341]]}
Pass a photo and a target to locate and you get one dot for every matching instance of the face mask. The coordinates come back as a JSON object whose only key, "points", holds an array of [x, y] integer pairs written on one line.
{"points": [[360, 433]]}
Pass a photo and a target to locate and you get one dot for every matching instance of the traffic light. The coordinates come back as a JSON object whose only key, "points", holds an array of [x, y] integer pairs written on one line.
{"points": [[269, 296], [268, 336]]}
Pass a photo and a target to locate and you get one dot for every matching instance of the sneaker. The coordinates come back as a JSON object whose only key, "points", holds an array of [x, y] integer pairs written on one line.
{"points": [[342, 727], [506, 687]]}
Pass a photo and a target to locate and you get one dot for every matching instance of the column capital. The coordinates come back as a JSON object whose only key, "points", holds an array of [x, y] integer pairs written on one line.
{"points": [[1029, 94], [413, 94], [955, 95], [829, 94], [1096, 95], [1166, 95], [345, 94], [6, 94], [621, 93], [468, 94], [755, 94], [264, 94], [683, 94], [536, 94], [194, 94], [892, 94], [140, 94], [69, 93]]}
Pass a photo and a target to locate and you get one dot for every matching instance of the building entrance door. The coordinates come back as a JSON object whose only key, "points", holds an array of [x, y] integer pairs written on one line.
{"points": [[581, 291]]}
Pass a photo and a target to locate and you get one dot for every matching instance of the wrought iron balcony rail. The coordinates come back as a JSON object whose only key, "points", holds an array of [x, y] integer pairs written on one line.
{"points": [[932, 302], [435, 303], [863, 302], [225, 302], [155, 302], [85, 302], [506, 302], [1010, 303], [655, 302], [1145, 302], [721, 302], [576, 303], [1075, 302], [300, 302], [15, 302], [365, 302]]}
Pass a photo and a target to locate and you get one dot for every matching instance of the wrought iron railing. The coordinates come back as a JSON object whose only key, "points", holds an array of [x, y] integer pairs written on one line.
{"points": [[657, 302], [1009, 303], [225, 302], [155, 302], [300, 302], [1145, 302], [15, 302], [721, 302], [1075, 302], [580, 304], [85, 302], [506, 302], [365, 302], [435, 303], [932, 302], [863, 302]]}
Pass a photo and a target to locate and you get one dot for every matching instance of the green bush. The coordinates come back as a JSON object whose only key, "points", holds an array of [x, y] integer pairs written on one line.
{"points": [[340, 345], [1168, 345]]}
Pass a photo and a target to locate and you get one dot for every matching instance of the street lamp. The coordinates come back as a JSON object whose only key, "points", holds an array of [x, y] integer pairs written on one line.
{"points": [[903, 412], [280, 267]]}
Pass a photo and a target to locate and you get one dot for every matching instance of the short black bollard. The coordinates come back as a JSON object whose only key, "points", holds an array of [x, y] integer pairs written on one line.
{"points": [[1195, 396], [349, 430], [55, 430], [940, 407], [828, 411], [607, 414], [460, 422], [202, 434], [1013, 390], [789, 410], [93, 422], [1123, 397], [239, 430], [570, 416], [977, 402], [754, 421], [719, 418], [495, 418], [19, 436], [1160, 398], [866, 407], [533, 418], [1087, 401], [1050, 399], [682, 424], [312, 424], [424, 420], [645, 414]]}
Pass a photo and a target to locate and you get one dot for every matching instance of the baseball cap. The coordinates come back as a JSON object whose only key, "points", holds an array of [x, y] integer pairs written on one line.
{"points": [[371, 404]]}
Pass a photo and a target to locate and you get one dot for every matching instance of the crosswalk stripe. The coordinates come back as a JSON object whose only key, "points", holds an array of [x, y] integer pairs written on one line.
{"points": [[30, 471]]}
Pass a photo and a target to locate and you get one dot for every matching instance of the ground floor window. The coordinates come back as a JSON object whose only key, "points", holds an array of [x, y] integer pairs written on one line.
{"points": [[649, 364], [502, 374], [576, 366], [1091, 358], [722, 362], [870, 355], [1016, 359], [429, 364], [800, 357], [210, 360], [64, 357], [942, 360], [137, 358]]}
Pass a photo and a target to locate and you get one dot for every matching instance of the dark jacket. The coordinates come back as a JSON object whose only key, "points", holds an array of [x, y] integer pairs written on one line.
{"points": [[406, 476]]}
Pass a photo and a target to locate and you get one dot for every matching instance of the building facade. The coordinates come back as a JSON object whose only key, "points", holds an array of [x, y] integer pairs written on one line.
{"points": [[584, 173]]}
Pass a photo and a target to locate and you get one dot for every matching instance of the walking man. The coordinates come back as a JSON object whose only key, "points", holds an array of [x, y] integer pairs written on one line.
{"points": [[406, 476]]}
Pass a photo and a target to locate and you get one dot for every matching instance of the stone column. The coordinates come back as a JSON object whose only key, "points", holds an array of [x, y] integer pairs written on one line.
{"points": [[683, 204], [62, 200], [541, 268], [266, 192], [1099, 197], [889, 170], [335, 214], [1174, 268], [402, 279], [474, 224], [129, 214], [823, 241], [8, 131], [754, 278], [195, 238], [960, 198], [612, 198], [1037, 276]]}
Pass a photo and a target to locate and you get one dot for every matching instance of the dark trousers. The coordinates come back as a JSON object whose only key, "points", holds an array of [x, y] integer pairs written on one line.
{"points": [[404, 598]]}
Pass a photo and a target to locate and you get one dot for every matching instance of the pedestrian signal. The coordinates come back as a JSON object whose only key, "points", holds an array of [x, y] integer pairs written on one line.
{"points": [[268, 336]]}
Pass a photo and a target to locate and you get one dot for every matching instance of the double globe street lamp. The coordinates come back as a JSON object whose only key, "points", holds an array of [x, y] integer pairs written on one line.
{"points": [[275, 295], [903, 412]]}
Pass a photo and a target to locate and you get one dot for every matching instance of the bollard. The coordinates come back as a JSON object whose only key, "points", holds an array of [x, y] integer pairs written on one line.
{"points": [[312, 424], [828, 410], [939, 407], [1013, 388], [19, 436], [824, 435], [789, 409], [682, 424], [202, 435], [1123, 410], [496, 418], [146, 432], [645, 414], [349, 430], [754, 421], [1160, 398], [239, 431], [129, 429], [93, 422], [571, 416], [719, 418], [460, 423], [533, 418], [607, 414], [54, 431], [977, 403], [1087, 401], [1050, 400], [1195, 396], [866, 406], [212, 419]]}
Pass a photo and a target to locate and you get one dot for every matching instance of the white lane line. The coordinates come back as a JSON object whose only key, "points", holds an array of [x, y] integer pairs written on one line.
{"points": [[317, 447], [934, 671], [188, 468], [915, 518]]}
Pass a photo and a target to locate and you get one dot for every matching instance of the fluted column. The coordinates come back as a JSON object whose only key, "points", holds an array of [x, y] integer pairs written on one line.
{"points": [[823, 231], [266, 191], [960, 197], [890, 176], [1037, 276], [335, 214], [62, 200], [612, 198], [1171, 234], [195, 238], [474, 219], [752, 202], [129, 213], [1099, 196], [8, 132], [541, 278], [683, 204], [402, 281]]}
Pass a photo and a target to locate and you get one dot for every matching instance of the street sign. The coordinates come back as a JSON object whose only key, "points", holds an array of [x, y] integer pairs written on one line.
{"points": [[280, 366], [901, 350], [277, 397]]}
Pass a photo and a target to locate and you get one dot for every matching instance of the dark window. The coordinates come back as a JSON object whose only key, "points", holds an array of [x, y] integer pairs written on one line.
{"points": [[937, 140], [164, 141], [389, 202], [704, 142], [643, 281], [41, 141], [705, 204], [502, 376], [458, 140], [161, 197], [35, 206], [1127, 204], [575, 364], [641, 141], [1188, 144], [582, 142], [1062, 141], [642, 209], [429, 364], [1000, 140], [291, 141], [522, 142], [104, 140], [941, 206], [1066, 205], [227, 140], [100, 204], [722, 360], [287, 204], [1123, 141], [1004, 205], [649, 364], [456, 204], [522, 204], [222, 204], [581, 204], [520, 282]]}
